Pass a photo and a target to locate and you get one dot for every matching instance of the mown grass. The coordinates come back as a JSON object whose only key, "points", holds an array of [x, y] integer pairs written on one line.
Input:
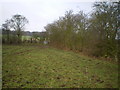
{"points": [[45, 67]]}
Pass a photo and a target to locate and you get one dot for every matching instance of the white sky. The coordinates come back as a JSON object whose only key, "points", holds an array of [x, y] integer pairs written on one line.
{"points": [[41, 12]]}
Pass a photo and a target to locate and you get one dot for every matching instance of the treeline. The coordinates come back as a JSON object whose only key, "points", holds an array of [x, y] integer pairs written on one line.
{"points": [[10, 37], [96, 34], [12, 29], [13, 32]]}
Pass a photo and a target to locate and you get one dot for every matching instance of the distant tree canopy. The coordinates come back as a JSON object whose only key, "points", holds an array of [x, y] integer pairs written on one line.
{"points": [[16, 23], [95, 35]]}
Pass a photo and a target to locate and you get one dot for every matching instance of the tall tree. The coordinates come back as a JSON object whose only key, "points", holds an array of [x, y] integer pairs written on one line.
{"points": [[105, 22], [18, 23]]}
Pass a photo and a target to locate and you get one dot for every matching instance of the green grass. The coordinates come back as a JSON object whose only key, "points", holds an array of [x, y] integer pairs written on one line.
{"points": [[45, 67], [26, 37]]}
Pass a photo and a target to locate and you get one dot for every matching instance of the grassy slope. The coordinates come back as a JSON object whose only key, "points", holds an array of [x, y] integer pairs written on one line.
{"points": [[30, 66]]}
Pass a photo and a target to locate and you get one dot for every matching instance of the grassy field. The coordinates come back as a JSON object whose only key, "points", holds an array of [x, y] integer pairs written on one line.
{"points": [[26, 37], [47, 67]]}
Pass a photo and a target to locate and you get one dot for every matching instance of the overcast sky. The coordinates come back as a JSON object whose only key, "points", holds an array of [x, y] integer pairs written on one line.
{"points": [[41, 12]]}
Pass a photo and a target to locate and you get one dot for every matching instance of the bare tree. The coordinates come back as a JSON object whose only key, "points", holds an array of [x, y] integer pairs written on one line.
{"points": [[18, 23]]}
